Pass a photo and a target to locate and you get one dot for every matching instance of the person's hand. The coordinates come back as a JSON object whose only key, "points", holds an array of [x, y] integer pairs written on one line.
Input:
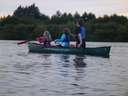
{"points": [[79, 45]]}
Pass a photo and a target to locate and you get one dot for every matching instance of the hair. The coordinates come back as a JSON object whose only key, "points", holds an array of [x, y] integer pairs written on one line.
{"points": [[46, 32], [47, 35], [66, 29], [80, 22]]}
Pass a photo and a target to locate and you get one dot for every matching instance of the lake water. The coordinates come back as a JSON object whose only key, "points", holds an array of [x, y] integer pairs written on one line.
{"points": [[27, 74]]}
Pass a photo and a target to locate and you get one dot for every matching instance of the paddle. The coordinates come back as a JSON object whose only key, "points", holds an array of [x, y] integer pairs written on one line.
{"points": [[39, 39], [22, 42]]}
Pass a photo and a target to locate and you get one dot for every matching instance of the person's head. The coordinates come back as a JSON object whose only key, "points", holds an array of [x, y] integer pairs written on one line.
{"points": [[79, 23], [66, 30], [46, 33]]}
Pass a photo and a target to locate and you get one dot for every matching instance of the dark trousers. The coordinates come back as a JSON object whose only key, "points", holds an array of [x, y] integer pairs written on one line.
{"points": [[47, 44], [83, 45]]}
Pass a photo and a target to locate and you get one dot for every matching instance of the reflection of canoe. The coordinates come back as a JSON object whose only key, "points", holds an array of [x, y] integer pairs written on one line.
{"points": [[96, 51]]}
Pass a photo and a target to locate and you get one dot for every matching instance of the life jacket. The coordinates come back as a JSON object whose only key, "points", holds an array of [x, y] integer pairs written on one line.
{"points": [[67, 38], [64, 40], [40, 39]]}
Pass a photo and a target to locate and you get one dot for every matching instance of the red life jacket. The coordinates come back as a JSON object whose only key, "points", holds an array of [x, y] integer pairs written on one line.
{"points": [[40, 39]]}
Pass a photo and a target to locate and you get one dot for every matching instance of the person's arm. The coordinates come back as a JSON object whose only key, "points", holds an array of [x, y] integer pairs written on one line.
{"points": [[50, 37], [73, 35], [62, 37], [80, 39]]}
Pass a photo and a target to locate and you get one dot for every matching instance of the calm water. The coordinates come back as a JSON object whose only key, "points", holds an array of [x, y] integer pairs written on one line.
{"points": [[27, 74]]}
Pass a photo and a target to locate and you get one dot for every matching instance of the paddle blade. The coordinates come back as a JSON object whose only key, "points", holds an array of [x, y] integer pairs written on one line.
{"points": [[22, 42]]}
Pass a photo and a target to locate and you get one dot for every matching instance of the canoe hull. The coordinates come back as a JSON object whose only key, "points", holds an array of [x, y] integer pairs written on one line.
{"points": [[96, 51]]}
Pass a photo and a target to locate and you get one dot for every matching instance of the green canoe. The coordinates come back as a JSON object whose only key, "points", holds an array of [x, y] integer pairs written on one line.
{"points": [[96, 51]]}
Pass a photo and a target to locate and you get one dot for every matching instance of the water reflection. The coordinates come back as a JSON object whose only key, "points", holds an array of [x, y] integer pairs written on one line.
{"points": [[79, 61], [45, 61], [65, 65], [65, 60], [45, 56], [80, 67]]}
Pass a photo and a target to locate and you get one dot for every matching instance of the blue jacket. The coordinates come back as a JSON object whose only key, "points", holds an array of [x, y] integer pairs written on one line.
{"points": [[83, 32], [65, 40]]}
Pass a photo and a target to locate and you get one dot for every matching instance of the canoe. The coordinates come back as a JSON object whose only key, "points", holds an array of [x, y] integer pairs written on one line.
{"points": [[95, 51]]}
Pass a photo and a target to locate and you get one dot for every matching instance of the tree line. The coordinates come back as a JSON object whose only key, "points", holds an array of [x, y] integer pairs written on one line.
{"points": [[28, 23]]}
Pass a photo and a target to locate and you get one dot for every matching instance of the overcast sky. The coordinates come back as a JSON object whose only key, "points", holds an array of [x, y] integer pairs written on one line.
{"points": [[49, 7]]}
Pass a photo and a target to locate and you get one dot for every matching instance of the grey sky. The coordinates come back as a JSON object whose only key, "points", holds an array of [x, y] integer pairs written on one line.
{"points": [[49, 7]]}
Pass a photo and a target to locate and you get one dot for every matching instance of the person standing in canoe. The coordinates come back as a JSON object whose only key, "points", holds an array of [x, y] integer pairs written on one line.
{"points": [[80, 34], [64, 40]]}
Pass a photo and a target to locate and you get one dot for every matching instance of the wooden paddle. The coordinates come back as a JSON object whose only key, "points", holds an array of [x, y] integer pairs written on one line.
{"points": [[22, 42], [39, 39]]}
